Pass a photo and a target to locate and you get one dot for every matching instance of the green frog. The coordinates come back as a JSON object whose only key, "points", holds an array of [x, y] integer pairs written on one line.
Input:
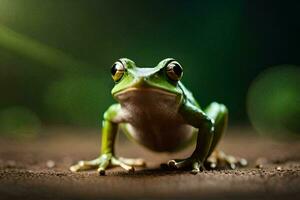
{"points": [[156, 110]]}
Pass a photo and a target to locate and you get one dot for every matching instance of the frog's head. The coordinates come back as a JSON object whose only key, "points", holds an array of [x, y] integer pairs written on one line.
{"points": [[163, 78]]}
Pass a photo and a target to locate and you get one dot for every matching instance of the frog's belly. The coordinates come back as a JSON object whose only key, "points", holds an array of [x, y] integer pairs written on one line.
{"points": [[161, 138], [152, 119]]}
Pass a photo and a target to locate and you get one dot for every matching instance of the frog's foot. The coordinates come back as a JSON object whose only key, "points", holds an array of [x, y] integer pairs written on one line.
{"points": [[105, 161], [219, 159], [190, 164], [100, 163]]}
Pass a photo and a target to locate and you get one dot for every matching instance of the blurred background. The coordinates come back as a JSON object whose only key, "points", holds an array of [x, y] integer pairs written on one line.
{"points": [[55, 58]]}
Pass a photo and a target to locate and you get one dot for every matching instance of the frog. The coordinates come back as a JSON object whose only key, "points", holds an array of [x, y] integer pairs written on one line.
{"points": [[156, 110]]}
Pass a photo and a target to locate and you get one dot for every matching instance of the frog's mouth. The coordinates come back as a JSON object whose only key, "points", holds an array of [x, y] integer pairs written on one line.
{"points": [[146, 96], [151, 102], [141, 90]]}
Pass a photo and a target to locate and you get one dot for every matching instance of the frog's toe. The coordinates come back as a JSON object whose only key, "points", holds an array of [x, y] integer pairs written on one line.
{"points": [[219, 159], [120, 162], [75, 168], [190, 164], [102, 166], [127, 164], [85, 165], [178, 163], [197, 167], [137, 162], [106, 161]]}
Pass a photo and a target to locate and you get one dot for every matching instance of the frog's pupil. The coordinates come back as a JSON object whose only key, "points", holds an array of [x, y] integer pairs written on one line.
{"points": [[114, 69], [177, 69]]}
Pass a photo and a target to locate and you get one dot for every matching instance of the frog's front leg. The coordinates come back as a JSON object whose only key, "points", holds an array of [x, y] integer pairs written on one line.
{"points": [[219, 113], [197, 118], [107, 158]]}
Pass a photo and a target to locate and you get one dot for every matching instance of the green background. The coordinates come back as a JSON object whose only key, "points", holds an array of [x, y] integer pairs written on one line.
{"points": [[55, 56]]}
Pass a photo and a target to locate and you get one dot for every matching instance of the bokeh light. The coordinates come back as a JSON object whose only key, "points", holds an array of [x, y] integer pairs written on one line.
{"points": [[274, 101]]}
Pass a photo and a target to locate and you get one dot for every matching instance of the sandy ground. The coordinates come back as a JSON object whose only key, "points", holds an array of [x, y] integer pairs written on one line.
{"points": [[38, 169]]}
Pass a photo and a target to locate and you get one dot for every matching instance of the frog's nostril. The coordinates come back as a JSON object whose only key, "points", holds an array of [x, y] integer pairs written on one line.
{"points": [[141, 81]]}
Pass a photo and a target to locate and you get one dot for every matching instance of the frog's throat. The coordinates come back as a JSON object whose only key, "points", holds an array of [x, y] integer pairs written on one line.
{"points": [[153, 90]]}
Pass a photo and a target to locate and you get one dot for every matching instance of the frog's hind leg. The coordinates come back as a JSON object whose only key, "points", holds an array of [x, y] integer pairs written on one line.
{"points": [[218, 159], [219, 113]]}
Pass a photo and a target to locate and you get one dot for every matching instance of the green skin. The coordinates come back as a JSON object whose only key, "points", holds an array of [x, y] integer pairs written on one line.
{"points": [[207, 125]]}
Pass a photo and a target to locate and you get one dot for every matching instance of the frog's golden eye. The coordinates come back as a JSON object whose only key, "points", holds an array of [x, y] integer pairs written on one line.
{"points": [[174, 71], [117, 70]]}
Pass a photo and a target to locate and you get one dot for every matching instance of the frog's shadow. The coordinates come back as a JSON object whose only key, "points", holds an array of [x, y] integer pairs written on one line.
{"points": [[163, 170]]}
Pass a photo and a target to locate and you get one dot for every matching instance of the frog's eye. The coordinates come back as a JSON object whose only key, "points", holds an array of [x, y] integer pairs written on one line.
{"points": [[117, 70], [174, 71]]}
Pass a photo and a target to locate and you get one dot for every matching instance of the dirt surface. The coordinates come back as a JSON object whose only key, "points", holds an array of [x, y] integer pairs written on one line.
{"points": [[38, 169]]}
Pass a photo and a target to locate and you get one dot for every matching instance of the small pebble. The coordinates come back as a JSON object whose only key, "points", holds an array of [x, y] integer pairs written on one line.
{"points": [[259, 166], [213, 165], [261, 162], [278, 168], [243, 162], [50, 164]]}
